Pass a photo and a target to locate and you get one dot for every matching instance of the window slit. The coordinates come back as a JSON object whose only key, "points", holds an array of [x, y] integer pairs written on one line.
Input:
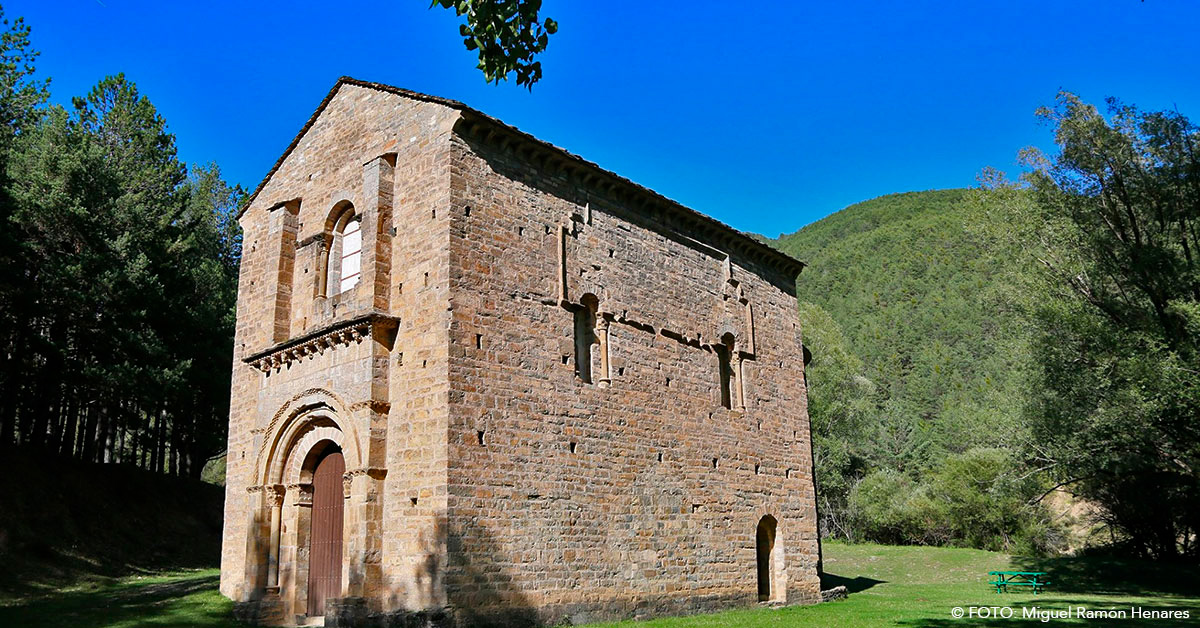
{"points": [[585, 337]]}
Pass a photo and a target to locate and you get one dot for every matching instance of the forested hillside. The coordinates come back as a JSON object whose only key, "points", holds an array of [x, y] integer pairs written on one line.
{"points": [[912, 284], [118, 275], [918, 361]]}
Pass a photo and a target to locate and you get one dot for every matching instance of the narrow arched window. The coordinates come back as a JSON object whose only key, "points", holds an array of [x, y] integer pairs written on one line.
{"points": [[351, 255], [344, 265], [725, 373], [585, 336]]}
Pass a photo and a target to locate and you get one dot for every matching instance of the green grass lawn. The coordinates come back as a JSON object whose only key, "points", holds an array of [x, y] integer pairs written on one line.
{"points": [[890, 586], [918, 586]]}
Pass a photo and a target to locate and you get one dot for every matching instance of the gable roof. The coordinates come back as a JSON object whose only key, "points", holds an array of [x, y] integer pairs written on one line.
{"points": [[345, 80], [745, 238]]}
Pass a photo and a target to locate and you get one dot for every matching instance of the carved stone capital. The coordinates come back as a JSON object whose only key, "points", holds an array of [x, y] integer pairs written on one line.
{"points": [[274, 495], [374, 473], [375, 406], [301, 493]]}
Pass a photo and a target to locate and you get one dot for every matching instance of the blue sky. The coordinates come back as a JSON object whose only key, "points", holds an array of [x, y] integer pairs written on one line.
{"points": [[767, 116]]}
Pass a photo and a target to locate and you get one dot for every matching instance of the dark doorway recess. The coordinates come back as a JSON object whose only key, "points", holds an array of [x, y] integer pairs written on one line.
{"points": [[765, 542]]}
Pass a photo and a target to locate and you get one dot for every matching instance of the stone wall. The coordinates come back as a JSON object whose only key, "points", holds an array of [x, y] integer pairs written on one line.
{"points": [[385, 156], [635, 496]]}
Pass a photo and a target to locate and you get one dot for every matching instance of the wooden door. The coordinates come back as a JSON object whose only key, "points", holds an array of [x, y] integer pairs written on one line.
{"points": [[325, 548]]}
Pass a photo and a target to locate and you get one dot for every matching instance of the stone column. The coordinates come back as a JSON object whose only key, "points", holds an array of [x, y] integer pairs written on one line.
{"points": [[739, 390], [274, 498], [605, 379], [322, 278], [750, 328], [562, 263]]}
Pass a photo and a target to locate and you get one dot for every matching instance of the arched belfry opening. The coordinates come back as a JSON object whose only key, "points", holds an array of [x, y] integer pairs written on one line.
{"points": [[772, 577], [325, 540]]}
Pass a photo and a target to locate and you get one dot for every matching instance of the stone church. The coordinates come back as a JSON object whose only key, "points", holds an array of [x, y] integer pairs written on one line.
{"points": [[478, 379]]}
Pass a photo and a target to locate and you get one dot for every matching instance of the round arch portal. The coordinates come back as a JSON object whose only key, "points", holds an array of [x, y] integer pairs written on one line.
{"points": [[309, 417]]}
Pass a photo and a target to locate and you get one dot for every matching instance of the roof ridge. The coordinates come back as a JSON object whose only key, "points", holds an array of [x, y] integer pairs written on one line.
{"points": [[342, 80], [455, 104]]}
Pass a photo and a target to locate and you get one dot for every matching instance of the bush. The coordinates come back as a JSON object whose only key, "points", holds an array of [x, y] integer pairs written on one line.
{"points": [[889, 507], [980, 498]]}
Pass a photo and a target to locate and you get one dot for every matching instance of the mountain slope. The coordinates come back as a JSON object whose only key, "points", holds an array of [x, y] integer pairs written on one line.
{"points": [[917, 292]]}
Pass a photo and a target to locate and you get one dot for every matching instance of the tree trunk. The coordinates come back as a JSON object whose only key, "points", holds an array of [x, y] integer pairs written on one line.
{"points": [[66, 441], [12, 383], [88, 442]]}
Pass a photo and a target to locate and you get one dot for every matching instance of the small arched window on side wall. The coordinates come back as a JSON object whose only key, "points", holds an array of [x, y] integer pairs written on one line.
{"points": [[585, 336], [343, 264], [725, 373]]}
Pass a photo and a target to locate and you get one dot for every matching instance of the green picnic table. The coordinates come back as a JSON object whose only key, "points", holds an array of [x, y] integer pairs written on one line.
{"points": [[1035, 580]]}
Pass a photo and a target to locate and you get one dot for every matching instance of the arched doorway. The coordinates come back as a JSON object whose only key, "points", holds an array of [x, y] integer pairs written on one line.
{"points": [[325, 545], [765, 545]]}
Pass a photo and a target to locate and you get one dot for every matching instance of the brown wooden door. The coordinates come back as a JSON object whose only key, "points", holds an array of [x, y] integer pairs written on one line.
{"points": [[325, 550]]}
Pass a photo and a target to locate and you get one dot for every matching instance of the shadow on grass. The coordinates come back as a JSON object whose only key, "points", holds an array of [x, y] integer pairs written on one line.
{"points": [[853, 585], [68, 521], [164, 603], [1113, 576]]}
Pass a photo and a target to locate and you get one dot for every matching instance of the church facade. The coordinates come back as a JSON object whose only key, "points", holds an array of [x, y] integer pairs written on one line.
{"points": [[478, 379]]}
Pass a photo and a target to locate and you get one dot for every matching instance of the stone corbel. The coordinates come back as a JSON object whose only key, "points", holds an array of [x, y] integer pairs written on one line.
{"points": [[339, 334]]}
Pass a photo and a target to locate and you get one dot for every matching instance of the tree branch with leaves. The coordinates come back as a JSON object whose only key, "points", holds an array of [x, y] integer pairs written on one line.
{"points": [[508, 35]]}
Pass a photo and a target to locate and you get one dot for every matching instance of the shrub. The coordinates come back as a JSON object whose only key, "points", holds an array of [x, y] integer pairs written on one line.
{"points": [[888, 507], [979, 498]]}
